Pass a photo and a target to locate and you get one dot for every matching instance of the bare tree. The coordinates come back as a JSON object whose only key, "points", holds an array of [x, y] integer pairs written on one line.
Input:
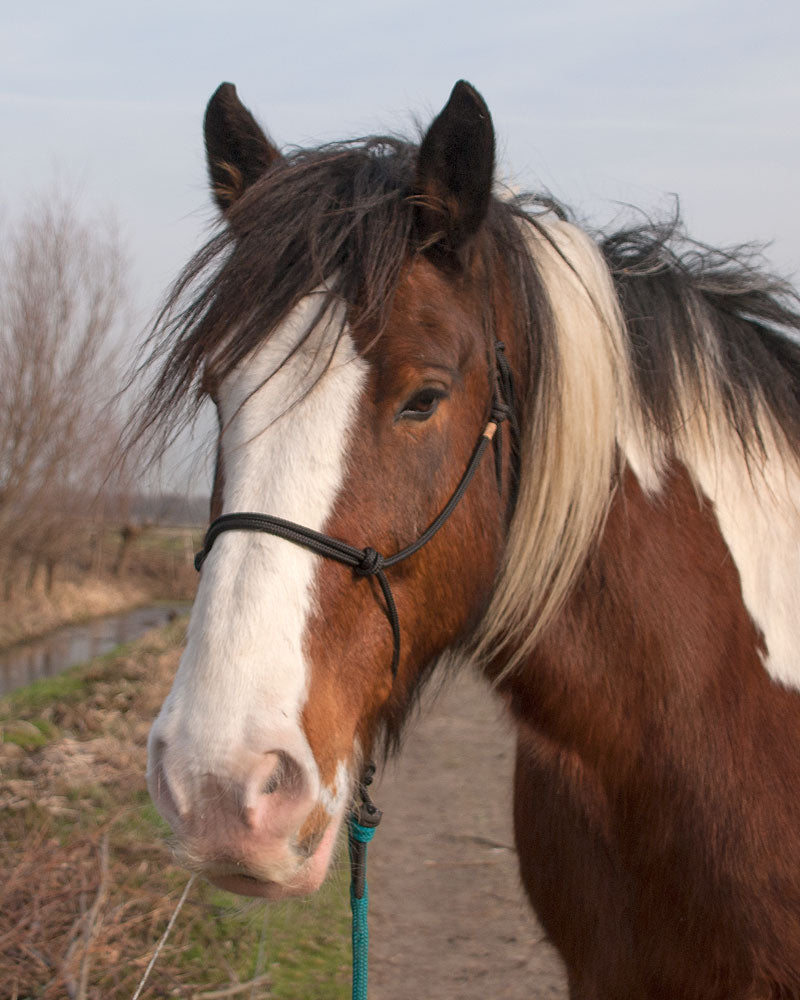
{"points": [[61, 307]]}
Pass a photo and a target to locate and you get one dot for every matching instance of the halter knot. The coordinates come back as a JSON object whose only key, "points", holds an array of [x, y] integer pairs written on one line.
{"points": [[500, 412], [371, 563]]}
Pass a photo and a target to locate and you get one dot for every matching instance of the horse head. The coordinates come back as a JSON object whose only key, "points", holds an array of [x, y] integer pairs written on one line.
{"points": [[348, 340]]}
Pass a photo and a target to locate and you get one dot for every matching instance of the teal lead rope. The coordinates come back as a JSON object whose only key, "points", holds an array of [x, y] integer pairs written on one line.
{"points": [[362, 824]]}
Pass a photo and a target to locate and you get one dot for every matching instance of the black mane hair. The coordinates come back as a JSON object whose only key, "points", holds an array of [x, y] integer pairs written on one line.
{"points": [[336, 215], [710, 320]]}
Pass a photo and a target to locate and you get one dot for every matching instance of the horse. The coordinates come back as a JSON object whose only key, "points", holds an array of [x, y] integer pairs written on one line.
{"points": [[456, 427]]}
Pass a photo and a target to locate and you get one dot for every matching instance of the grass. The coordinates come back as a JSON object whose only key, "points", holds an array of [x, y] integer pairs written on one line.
{"points": [[34, 735], [87, 883], [69, 686]]}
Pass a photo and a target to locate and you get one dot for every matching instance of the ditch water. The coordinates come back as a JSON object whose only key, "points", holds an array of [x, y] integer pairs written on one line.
{"points": [[72, 644]]}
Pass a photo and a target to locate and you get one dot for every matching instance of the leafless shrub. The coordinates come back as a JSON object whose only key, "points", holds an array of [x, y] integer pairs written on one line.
{"points": [[62, 305]]}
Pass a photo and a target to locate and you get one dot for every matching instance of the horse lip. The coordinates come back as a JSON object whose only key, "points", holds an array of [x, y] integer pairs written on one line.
{"points": [[308, 874], [229, 868], [257, 888], [234, 877]]}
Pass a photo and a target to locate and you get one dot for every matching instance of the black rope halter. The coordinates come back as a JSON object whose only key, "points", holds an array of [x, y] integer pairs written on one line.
{"points": [[369, 562]]}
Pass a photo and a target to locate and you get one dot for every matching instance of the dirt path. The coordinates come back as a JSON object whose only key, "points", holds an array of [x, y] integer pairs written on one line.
{"points": [[448, 916]]}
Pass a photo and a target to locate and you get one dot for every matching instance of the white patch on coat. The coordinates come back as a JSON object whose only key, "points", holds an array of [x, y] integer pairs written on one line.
{"points": [[758, 512], [243, 678], [332, 797], [756, 502]]}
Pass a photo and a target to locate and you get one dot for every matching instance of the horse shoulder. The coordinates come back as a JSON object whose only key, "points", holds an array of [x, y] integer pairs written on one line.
{"points": [[657, 811]]}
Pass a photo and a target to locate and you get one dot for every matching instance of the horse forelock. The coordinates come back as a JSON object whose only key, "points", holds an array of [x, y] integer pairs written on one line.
{"points": [[337, 218]]}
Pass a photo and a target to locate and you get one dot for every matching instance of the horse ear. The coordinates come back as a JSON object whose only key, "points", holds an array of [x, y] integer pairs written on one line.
{"points": [[237, 150], [454, 172]]}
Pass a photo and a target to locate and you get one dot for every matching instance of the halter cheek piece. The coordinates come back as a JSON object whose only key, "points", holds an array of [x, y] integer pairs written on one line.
{"points": [[367, 561]]}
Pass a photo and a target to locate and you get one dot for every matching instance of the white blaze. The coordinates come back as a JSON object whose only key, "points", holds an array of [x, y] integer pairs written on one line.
{"points": [[243, 679]]}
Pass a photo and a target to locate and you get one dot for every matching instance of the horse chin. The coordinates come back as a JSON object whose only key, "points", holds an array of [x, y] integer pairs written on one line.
{"points": [[303, 881]]}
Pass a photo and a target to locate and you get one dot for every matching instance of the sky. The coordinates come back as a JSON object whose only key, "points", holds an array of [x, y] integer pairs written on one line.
{"points": [[603, 104]]}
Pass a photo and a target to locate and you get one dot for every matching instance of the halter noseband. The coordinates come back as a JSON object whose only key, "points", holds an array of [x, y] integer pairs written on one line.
{"points": [[368, 561]]}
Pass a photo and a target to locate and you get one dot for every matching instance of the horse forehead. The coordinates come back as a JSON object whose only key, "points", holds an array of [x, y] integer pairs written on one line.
{"points": [[435, 320], [287, 417], [291, 361]]}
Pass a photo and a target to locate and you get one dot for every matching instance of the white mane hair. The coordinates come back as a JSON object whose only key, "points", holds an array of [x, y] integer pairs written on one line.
{"points": [[568, 451]]}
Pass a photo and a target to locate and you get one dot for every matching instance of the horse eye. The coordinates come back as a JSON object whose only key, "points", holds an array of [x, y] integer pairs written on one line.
{"points": [[422, 404]]}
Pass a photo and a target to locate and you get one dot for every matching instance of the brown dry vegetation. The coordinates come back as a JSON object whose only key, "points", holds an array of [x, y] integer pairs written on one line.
{"points": [[86, 880], [158, 566], [61, 765]]}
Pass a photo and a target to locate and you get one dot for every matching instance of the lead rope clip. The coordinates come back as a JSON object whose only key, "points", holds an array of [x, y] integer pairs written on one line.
{"points": [[362, 822]]}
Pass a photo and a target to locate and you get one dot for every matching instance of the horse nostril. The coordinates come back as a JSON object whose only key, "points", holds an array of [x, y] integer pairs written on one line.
{"points": [[286, 776], [274, 781]]}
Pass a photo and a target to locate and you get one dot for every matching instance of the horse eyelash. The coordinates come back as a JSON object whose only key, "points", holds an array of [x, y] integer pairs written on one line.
{"points": [[408, 413]]}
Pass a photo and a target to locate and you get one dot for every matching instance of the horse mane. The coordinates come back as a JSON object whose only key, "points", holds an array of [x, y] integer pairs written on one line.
{"points": [[337, 218], [714, 339], [643, 345], [569, 446], [668, 350]]}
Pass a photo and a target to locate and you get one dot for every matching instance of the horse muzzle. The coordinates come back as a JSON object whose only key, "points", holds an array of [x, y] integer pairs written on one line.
{"points": [[254, 827]]}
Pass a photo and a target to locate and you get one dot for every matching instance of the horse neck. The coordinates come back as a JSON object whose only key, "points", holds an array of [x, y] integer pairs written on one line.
{"points": [[645, 636]]}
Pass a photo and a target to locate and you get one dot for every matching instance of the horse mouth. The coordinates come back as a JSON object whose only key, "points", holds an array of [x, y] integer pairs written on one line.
{"points": [[258, 888], [276, 882]]}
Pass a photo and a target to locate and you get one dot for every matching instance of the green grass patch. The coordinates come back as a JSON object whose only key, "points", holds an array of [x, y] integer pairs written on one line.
{"points": [[27, 701], [304, 945], [29, 735]]}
